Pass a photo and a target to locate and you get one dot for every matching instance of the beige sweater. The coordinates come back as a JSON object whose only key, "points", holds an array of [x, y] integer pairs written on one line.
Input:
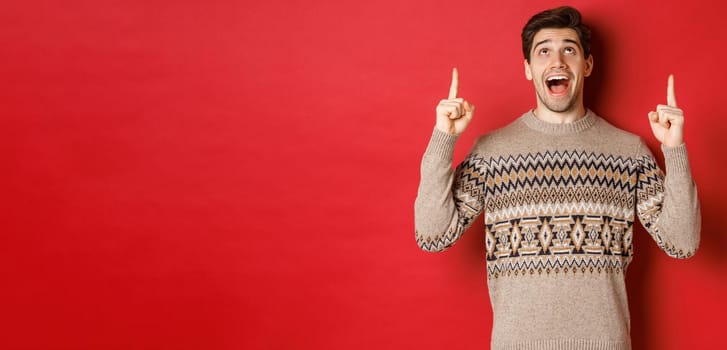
{"points": [[559, 203]]}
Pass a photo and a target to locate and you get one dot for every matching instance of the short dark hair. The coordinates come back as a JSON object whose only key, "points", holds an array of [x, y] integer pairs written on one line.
{"points": [[559, 17]]}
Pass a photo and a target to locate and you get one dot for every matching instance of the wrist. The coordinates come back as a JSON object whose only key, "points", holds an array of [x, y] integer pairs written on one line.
{"points": [[447, 129], [672, 144], [441, 144]]}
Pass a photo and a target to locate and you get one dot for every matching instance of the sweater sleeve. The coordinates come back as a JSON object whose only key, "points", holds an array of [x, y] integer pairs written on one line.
{"points": [[667, 205], [447, 201]]}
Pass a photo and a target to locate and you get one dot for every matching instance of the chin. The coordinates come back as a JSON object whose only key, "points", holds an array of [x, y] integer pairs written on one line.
{"points": [[560, 105]]}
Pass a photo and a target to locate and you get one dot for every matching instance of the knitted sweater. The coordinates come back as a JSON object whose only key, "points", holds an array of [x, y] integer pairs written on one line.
{"points": [[559, 203]]}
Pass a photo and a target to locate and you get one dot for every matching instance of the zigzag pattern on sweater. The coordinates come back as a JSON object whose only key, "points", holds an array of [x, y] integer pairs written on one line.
{"points": [[650, 192], [550, 185], [438, 243], [549, 169], [520, 266]]}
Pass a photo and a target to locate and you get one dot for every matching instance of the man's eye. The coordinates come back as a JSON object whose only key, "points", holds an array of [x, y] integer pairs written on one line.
{"points": [[543, 51], [569, 50]]}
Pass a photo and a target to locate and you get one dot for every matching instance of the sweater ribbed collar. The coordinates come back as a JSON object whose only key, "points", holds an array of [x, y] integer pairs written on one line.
{"points": [[577, 126]]}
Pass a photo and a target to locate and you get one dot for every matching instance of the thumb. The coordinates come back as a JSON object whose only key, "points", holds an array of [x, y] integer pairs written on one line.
{"points": [[468, 107], [653, 117]]}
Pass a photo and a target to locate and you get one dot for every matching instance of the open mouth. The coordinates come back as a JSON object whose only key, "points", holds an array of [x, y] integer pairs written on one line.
{"points": [[557, 84]]}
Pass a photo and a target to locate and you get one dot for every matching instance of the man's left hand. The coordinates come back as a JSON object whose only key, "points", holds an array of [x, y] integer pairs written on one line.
{"points": [[667, 122]]}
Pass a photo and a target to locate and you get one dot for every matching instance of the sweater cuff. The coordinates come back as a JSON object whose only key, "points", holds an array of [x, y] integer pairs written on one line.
{"points": [[441, 145], [675, 159]]}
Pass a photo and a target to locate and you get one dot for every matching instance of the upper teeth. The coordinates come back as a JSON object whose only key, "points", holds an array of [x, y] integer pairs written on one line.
{"points": [[557, 77]]}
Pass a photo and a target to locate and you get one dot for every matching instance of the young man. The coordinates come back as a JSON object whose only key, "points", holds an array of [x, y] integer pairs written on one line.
{"points": [[559, 187]]}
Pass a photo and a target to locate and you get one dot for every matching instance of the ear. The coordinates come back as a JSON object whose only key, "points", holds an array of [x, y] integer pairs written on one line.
{"points": [[528, 72], [589, 66]]}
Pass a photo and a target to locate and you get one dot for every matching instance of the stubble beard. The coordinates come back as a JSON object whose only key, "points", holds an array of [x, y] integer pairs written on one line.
{"points": [[556, 106]]}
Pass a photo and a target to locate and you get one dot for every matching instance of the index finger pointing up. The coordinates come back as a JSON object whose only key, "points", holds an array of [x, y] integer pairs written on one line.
{"points": [[455, 84], [671, 101]]}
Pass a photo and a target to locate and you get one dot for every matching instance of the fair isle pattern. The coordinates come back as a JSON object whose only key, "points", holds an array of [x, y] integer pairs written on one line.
{"points": [[557, 244], [556, 212], [559, 264], [568, 234], [559, 201], [468, 198], [650, 196]]}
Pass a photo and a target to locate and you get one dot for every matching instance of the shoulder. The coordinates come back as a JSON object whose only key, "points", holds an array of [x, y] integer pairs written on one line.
{"points": [[605, 127], [498, 139], [619, 140]]}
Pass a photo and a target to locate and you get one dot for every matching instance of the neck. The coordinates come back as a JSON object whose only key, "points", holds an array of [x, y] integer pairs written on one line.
{"points": [[537, 124], [569, 116]]}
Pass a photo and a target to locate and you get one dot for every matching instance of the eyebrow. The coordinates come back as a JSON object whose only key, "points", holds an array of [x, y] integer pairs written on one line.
{"points": [[549, 40]]}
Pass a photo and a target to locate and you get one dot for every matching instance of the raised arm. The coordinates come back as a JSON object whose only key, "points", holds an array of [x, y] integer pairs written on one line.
{"points": [[447, 201], [668, 205]]}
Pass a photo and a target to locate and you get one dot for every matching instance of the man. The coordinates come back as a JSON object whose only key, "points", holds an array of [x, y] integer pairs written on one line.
{"points": [[559, 187]]}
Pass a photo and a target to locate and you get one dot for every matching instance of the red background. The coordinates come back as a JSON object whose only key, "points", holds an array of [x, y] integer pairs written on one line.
{"points": [[239, 175]]}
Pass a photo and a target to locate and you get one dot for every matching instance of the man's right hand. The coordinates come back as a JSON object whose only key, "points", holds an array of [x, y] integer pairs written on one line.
{"points": [[454, 114]]}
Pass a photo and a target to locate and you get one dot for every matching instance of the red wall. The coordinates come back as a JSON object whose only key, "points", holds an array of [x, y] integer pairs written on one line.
{"points": [[232, 175]]}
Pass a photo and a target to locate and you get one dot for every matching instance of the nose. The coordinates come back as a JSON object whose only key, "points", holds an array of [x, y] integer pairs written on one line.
{"points": [[558, 62]]}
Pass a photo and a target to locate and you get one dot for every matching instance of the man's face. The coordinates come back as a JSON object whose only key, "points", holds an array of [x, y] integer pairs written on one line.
{"points": [[557, 68]]}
